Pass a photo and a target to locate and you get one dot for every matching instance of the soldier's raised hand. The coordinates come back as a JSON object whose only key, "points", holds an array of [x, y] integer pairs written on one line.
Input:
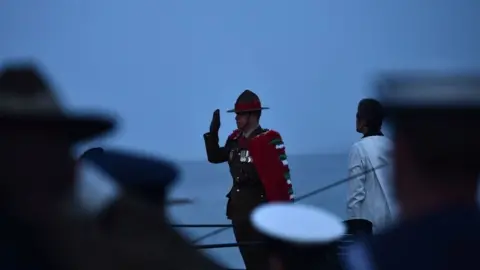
{"points": [[215, 124]]}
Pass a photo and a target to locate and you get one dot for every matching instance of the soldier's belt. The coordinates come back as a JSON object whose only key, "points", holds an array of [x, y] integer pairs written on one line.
{"points": [[248, 183]]}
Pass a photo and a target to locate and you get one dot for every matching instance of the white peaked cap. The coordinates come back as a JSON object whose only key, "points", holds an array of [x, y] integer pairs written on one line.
{"points": [[297, 223], [429, 89]]}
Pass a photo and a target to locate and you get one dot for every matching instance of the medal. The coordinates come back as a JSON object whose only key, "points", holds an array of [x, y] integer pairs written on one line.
{"points": [[243, 156]]}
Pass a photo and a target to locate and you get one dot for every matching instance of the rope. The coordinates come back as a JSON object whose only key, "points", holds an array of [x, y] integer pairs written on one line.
{"points": [[210, 234], [225, 227], [334, 184], [225, 245], [201, 225], [347, 240]]}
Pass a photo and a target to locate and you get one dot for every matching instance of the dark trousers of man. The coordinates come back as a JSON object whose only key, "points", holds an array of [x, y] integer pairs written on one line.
{"points": [[255, 257]]}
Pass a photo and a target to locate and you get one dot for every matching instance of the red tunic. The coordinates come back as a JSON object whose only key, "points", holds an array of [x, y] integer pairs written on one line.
{"points": [[270, 160]]}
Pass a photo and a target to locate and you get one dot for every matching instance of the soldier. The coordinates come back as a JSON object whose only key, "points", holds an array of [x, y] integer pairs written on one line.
{"points": [[259, 168], [436, 168], [300, 236]]}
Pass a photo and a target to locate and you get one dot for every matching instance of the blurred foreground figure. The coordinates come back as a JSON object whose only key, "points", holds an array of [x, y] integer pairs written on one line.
{"points": [[131, 230], [436, 174], [39, 230], [37, 169], [370, 196], [300, 236], [259, 169]]}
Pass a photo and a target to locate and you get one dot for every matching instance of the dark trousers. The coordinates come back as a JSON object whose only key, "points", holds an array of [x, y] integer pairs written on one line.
{"points": [[255, 257]]}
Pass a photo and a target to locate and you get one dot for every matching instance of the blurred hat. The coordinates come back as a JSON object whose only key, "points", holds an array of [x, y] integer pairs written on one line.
{"points": [[94, 153], [248, 101], [27, 98], [436, 113], [429, 91], [302, 235], [147, 176]]}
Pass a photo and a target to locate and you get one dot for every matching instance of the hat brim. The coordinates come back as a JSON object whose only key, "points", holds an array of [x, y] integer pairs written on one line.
{"points": [[251, 110], [76, 127]]}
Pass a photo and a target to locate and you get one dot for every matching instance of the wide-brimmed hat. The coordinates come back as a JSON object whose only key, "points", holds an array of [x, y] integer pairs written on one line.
{"points": [[28, 99], [248, 101]]}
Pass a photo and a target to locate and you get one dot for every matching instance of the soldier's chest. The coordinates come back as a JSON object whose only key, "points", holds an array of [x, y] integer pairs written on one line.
{"points": [[238, 151]]}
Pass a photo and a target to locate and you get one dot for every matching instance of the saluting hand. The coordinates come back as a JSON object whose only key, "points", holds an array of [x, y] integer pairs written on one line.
{"points": [[215, 124]]}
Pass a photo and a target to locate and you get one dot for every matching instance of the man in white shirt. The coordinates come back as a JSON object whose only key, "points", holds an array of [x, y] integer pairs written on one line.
{"points": [[369, 195]]}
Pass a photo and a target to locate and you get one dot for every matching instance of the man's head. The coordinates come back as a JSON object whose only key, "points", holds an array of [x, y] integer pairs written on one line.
{"points": [[248, 110], [369, 116], [247, 120]]}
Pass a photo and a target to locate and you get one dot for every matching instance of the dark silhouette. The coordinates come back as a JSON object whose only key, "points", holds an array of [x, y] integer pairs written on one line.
{"points": [[37, 168]]}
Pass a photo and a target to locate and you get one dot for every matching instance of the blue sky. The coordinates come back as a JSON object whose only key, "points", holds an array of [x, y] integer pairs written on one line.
{"points": [[164, 66]]}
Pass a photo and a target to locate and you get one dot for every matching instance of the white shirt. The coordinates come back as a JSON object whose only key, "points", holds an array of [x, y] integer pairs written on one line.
{"points": [[370, 193]]}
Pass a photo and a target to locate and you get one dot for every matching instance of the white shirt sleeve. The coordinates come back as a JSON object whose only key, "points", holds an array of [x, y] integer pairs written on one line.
{"points": [[356, 185]]}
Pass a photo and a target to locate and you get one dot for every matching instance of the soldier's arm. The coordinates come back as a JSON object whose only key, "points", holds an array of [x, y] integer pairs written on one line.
{"points": [[270, 159], [215, 153]]}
